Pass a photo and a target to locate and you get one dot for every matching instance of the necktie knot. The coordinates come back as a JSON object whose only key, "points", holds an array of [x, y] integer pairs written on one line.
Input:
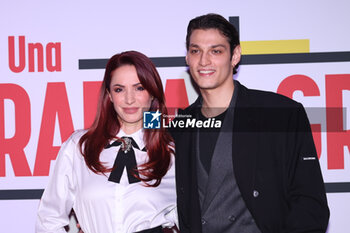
{"points": [[126, 144]]}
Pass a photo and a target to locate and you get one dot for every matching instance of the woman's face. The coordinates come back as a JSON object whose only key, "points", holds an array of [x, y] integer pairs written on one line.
{"points": [[129, 98]]}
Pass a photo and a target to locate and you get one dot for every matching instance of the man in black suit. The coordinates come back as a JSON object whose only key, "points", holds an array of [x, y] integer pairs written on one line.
{"points": [[259, 172]]}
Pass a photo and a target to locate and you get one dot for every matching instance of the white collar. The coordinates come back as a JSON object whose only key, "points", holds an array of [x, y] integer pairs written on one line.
{"points": [[137, 136]]}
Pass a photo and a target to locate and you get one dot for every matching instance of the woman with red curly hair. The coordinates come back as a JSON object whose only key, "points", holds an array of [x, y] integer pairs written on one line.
{"points": [[117, 176]]}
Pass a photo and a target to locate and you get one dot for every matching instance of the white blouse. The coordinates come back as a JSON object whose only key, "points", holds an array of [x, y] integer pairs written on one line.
{"points": [[102, 206]]}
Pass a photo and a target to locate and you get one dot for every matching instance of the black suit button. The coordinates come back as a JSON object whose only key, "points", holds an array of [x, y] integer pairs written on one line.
{"points": [[182, 190], [255, 193], [232, 218], [204, 221]]}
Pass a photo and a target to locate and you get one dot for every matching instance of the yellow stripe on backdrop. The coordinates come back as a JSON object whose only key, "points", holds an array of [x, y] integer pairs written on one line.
{"points": [[275, 46]]}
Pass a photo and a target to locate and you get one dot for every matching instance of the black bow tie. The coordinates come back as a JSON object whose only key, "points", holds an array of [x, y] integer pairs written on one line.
{"points": [[125, 158]]}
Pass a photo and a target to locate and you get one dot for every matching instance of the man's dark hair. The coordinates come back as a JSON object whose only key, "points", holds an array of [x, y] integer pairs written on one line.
{"points": [[214, 21]]}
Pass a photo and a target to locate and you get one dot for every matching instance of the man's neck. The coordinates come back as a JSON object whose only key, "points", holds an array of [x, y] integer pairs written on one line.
{"points": [[216, 101]]}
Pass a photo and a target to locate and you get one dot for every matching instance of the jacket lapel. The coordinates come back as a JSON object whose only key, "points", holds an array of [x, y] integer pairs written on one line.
{"points": [[218, 171]]}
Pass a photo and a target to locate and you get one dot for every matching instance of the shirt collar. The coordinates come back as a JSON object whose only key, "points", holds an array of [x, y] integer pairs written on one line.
{"points": [[137, 136]]}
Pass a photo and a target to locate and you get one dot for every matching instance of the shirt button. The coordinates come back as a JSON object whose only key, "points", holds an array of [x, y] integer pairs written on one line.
{"points": [[255, 193], [232, 218], [204, 221]]}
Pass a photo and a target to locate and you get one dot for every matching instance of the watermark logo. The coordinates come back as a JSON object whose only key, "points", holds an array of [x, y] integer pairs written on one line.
{"points": [[151, 120]]}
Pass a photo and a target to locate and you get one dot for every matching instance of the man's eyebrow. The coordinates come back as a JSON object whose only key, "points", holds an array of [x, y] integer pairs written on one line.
{"points": [[194, 45], [218, 45], [212, 46]]}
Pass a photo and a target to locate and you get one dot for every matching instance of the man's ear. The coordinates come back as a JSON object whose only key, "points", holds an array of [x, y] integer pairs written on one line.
{"points": [[236, 56], [186, 60]]}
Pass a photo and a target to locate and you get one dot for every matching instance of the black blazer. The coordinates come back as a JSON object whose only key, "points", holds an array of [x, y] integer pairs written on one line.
{"points": [[274, 161]]}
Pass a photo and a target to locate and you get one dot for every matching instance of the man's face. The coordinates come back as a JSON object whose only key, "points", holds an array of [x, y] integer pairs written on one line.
{"points": [[209, 59]]}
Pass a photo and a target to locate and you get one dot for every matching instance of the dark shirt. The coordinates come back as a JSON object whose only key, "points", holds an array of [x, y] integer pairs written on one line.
{"points": [[207, 140]]}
